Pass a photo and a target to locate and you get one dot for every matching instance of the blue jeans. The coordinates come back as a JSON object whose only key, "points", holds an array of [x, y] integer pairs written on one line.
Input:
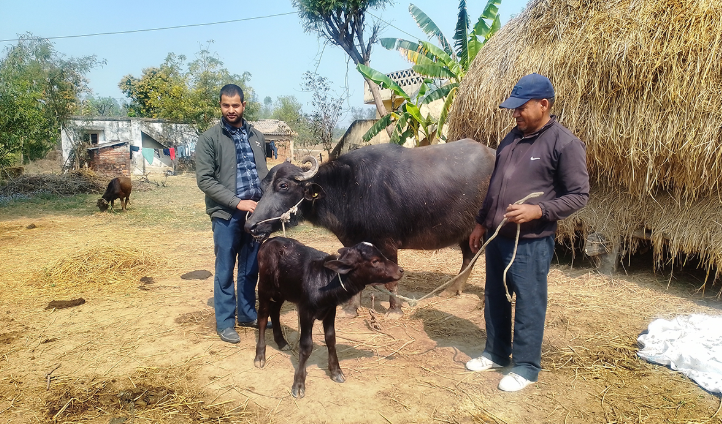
{"points": [[527, 277], [231, 242]]}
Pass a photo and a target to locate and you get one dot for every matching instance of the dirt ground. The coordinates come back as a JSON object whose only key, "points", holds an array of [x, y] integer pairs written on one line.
{"points": [[146, 351]]}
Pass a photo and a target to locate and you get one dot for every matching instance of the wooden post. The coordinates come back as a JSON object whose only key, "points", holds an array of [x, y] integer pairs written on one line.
{"points": [[604, 252]]}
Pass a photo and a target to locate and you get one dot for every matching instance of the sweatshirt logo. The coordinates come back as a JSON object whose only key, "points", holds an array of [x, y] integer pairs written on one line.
{"points": [[533, 158]]}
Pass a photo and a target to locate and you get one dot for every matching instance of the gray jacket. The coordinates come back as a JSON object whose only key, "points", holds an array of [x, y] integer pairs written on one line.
{"points": [[216, 168]]}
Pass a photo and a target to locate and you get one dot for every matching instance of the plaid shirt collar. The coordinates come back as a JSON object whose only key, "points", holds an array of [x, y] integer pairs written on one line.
{"points": [[233, 130]]}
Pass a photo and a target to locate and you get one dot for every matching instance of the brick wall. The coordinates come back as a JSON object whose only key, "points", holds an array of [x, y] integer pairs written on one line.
{"points": [[112, 160]]}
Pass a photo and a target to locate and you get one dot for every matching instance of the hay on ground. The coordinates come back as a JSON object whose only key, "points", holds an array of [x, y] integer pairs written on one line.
{"points": [[107, 266]]}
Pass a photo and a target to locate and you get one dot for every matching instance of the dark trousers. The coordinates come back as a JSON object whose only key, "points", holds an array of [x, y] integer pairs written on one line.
{"points": [[527, 278], [232, 243]]}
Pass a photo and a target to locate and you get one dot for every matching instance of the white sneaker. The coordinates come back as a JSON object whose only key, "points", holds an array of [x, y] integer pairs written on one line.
{"points": [[482, 363], [513, 382]]}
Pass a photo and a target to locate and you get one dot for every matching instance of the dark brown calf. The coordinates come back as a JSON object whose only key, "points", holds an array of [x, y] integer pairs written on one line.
{"points": [[118, 188], [316, 282]]}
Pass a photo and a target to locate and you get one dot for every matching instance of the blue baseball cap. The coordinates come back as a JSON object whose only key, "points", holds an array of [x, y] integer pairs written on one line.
{"points": [[532, 86]]}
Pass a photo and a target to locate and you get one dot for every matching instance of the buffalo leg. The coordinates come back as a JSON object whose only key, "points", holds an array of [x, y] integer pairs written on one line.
{"points": [[263, 310], [304, 351], [394, 302], [467, 256], [350, 308], [329, 330]]}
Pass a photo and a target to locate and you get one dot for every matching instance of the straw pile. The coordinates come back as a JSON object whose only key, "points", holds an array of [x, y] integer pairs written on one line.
{"points": [[75, 182], [107, 266], [640, 82]]}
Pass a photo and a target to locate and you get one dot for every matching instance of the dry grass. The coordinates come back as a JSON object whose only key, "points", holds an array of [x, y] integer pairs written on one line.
{"points": [[119, 267], [679, 232]]}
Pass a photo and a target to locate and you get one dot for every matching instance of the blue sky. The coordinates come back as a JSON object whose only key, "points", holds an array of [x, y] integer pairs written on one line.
{"points": [[275, 50]]}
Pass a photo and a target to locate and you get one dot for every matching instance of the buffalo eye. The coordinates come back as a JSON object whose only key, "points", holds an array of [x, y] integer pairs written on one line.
{"points": [[283, 186], [375, 261]]}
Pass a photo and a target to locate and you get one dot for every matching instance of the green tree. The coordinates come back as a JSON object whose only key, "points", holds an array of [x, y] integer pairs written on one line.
{"points": [[342, 23], [359, 113], [267, 108], [185, 93], [101, 106], [443, 62], [39, 91], [289, 110]]}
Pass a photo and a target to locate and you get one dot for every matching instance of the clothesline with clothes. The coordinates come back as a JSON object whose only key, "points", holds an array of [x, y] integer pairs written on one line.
{"points": [[150, 154], [182, 151]]}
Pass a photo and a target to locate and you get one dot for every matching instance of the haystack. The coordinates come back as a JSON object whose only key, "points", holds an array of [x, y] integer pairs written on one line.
{"points": [[640, 82]]}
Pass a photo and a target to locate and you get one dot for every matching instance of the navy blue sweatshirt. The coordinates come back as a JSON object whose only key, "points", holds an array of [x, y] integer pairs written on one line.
{"points": [[552, 160]]}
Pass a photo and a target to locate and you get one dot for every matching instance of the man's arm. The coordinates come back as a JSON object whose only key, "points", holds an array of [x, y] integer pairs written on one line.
{"points": [[206, 174], [574, 183]]}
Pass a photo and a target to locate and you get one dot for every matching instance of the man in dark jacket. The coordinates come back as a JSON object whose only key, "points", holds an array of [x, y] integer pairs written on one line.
{"points": [[538, 155], [230, 164]]}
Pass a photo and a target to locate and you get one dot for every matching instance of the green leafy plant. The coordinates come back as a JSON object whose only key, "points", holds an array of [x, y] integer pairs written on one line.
{"points": [[444, 64], [410, 123]]}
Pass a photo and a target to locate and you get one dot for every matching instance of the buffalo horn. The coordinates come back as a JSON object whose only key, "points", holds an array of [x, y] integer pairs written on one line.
{"points": [[311, 172]]}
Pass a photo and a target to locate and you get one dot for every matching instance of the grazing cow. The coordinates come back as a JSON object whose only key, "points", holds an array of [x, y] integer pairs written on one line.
{"points": [[316, 282], [392, 196], [118, 188]]}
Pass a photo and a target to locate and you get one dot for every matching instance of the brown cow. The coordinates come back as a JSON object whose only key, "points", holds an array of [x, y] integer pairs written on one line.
{"points": [[118, 188]]}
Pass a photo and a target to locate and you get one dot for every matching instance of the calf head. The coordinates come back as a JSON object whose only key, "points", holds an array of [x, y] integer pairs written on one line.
{"points": [[283, 188], [102, 204], [364, 264]]}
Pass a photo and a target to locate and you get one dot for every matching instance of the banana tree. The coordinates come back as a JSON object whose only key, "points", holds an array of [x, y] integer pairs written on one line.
{"points": [[443, 62], [410, 123]]}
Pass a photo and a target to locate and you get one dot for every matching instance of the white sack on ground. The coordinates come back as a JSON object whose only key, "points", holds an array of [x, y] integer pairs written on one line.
{"points": [[690, 344]]}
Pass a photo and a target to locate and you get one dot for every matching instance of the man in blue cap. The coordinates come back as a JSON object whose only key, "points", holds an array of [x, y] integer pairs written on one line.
{"points": [[538, 155]]}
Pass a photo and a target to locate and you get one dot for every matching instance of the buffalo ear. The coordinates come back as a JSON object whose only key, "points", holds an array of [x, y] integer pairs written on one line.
{"points": [[338, 266], [313, 191]]}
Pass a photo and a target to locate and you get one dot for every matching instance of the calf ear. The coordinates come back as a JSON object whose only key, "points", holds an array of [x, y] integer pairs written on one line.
{"points": [[338, 266], [313, 191]]}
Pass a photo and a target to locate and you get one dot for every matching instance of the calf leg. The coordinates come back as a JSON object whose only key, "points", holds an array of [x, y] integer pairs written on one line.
{"points": [[304, 351], [329, 330], [263, 310], [275, 308]]}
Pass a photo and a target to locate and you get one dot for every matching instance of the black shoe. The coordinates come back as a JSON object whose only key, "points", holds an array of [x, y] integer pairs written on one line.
{"points": [[229, 335], [254, 324]]}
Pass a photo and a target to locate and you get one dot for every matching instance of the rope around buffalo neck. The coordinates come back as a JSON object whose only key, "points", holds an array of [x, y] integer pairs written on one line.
{"points": [[467, 270], [285, 217]]}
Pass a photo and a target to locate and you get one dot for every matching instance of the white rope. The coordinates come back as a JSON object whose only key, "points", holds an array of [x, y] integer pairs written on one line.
{"points": [[341, 281], [285, 217]]}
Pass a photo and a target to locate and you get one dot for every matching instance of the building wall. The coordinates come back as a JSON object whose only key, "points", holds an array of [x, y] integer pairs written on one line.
{"points": [[111, 160], [158, 135]]}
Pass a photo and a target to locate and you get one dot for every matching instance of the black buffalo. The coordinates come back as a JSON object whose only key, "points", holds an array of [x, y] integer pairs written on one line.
{"points": [[391, 196], [316, 282]]}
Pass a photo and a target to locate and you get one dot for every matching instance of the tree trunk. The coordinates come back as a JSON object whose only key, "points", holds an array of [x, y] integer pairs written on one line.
{"points": [[376, 93]]}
